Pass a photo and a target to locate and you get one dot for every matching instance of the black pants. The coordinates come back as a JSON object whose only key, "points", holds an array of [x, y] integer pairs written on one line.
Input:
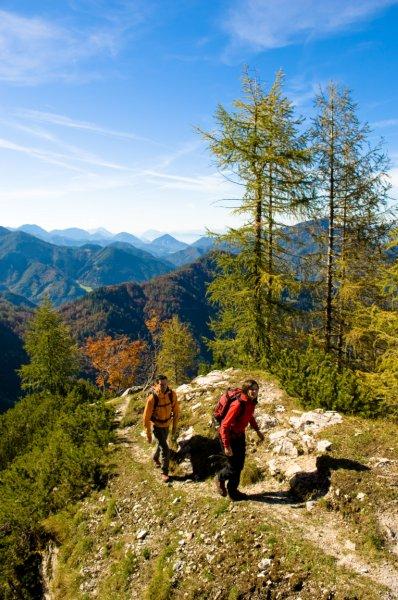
{"points": [[162, 449], [231, 472]]}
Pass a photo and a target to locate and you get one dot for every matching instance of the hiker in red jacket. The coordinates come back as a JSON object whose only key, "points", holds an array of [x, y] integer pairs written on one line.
{"points": [[232, 433]]}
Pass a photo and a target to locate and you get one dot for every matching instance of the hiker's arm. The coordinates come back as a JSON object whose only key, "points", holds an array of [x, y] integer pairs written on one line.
{"points": [[147, 416], [225, 427], [176, 413], [254, 425]]}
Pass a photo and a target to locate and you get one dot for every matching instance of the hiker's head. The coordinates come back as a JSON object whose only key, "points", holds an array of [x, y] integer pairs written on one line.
{"points": [[161, 383], [250, 388]]}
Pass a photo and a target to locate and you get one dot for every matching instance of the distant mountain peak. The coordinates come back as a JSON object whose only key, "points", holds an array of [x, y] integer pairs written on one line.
{"points": [[100, 231], [150, 235], [166, 243], [32, 229]]}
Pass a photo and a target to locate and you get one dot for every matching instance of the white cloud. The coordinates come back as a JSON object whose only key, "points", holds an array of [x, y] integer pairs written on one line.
{"points": [[266, 24], [385, 123], [214, 184], [65, 121], [34, 49], [62, 159]]}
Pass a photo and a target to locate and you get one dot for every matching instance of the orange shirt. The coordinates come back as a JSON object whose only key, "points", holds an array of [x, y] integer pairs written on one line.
{"points": [[167, 410]]}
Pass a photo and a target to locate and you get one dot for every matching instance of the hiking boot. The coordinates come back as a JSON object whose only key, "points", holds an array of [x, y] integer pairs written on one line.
{"points": [[220, 486], [236, 496], [157, 462], [165, 477]]}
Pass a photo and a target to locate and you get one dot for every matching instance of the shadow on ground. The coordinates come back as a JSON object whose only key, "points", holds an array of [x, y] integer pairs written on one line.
{"points": [[206, 457], [315, 484]]}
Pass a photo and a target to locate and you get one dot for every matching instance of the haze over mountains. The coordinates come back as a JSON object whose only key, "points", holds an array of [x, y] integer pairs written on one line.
{"points": [[69, 266], [75, 236]]}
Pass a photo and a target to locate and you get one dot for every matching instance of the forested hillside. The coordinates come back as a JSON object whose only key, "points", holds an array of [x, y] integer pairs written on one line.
{"points": [[119, 310], [35, 269], [12, 325]]}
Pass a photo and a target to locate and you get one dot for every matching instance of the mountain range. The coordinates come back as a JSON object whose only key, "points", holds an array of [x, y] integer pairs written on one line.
{"points": [[75, 236], [32, 268], [114, 310]]}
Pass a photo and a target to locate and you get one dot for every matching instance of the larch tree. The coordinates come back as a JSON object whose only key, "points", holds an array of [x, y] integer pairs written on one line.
{"points": [[53, 353], [260, 145], [178, 351], [351, 187], [374, 334]]}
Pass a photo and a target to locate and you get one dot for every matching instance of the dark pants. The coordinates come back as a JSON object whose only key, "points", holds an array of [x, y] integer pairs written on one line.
{"points": [[231, 472], [162, 449]]}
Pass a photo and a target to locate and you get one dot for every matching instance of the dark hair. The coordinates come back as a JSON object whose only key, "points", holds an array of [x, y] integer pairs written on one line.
{"points": [[249, 384], [160, 377]]}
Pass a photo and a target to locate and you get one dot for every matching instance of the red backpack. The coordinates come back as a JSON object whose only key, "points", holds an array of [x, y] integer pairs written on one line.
{"points": [[224, 403]]}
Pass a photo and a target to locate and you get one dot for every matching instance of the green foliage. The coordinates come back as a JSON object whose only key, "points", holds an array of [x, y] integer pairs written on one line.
{"points": [[313, 376], [51, 452], [351, 187], [52, 352], [178, 351], [260, 142], [374, 337]]}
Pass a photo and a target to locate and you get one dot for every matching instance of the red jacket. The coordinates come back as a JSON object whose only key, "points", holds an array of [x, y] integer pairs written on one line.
{"points": [[238, 418]]}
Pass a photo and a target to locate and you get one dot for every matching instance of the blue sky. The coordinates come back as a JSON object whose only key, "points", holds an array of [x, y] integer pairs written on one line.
{"points": [[99, 98]]}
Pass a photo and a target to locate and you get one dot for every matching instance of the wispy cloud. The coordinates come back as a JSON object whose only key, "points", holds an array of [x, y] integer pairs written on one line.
{"points": [[61, 159], [65, 121], [214, 184], [266, 24], [35, 49], [385, 123]]}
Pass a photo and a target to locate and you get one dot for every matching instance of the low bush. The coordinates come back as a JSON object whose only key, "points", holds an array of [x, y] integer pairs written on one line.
{"points": [[315, 379]]}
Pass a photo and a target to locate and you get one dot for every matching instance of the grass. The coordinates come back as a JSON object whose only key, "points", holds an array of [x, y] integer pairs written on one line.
{"points": [[160, 584], [251, 472], [117, 583], [298, 568], [359, 440], [134, 411]]}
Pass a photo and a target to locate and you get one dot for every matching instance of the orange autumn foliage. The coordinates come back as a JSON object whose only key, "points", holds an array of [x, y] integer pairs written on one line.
{"points": [[115, 359]]}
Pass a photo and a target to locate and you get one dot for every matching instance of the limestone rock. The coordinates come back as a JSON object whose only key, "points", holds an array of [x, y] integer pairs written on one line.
{"points": [[266, 421], [324, 446], [286, 447], [315, 420]]}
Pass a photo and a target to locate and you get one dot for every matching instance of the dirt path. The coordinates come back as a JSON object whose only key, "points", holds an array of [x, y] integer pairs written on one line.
{"points": [[327, 532]]}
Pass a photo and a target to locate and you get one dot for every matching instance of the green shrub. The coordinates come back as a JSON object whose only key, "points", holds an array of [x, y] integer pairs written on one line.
{"points": [[313, 377], [51, 452]]}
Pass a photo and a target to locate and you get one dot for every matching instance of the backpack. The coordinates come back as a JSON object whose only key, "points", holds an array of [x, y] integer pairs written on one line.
{"points": [[222, 407], [168, 393]]}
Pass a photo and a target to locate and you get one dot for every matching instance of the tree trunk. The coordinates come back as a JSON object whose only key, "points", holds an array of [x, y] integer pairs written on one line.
{"points": [[331, 236]]}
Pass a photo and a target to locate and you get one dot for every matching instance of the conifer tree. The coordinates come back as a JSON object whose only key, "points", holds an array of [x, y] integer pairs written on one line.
{"points": [[259, 142], [53, 353], [351, 189], [178, 351], [374, 335]]}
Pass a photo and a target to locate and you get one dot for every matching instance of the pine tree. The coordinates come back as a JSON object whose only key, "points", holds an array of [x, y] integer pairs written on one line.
{"points": [[351, 189], [53, 354], [260, 143], [178, 351]]}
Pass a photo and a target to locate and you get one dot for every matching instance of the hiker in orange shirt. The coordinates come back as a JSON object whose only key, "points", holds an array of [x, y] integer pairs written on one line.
{"points": [[161, 410]]}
